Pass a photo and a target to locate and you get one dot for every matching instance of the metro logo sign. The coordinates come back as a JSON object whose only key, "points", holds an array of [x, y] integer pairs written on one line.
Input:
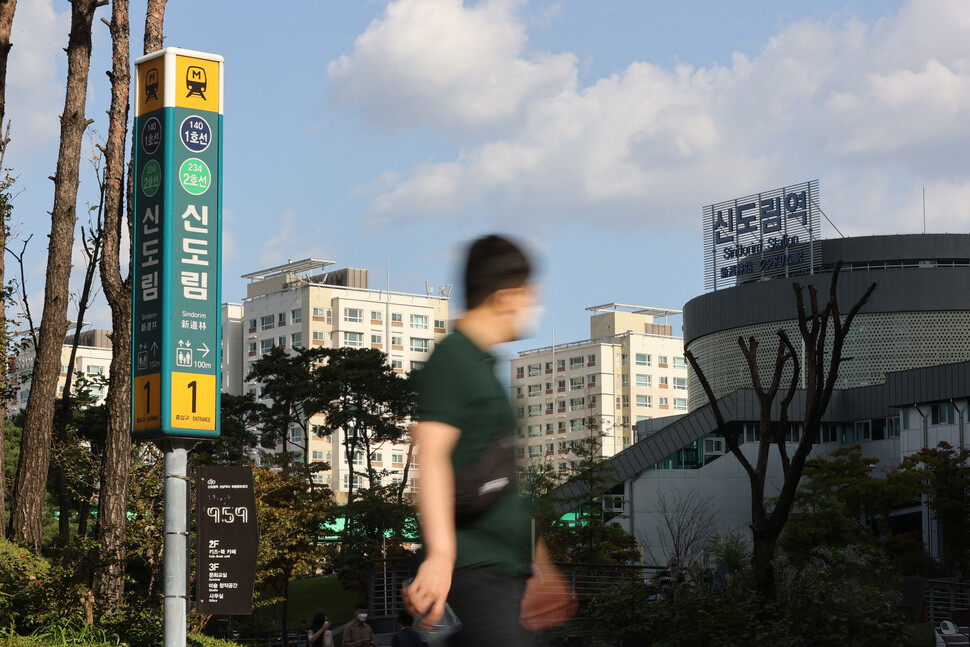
{"points": [[177, 245]]}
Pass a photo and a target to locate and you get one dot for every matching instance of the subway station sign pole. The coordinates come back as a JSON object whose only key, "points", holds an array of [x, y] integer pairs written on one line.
{"points": [[176, 283]]}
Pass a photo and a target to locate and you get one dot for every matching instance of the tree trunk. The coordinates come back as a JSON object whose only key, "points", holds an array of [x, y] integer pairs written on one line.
{"points": [[28, 495], [7, 8]]}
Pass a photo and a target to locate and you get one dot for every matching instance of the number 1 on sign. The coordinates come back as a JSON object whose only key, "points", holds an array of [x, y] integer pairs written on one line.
{"points": [[194, 386]]}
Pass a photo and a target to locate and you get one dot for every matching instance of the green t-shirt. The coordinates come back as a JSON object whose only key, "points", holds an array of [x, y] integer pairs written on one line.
{"points": [[458, 387]]}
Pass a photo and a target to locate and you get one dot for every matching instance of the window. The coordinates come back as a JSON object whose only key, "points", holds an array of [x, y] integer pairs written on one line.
{"points": [[535, 410], [439, 324], [281, 319], [680, 383], [296, 435], [419, 345], [353, 339], [358, 481], [576, 383], [577, 362], [576, 404], [376, 315], [319, 312], [397, 341], [316, 455], [266, 346], [561, 385], [267, 322], [535, 430], [534, 370], [550, 447], [535, 389], [377, 457], [252, 325], [591, 360], [319, 335], [397, 458], [560, 365], [252, 348], [662, 360], [518, 391], [520, 452], [664, 383], [642, 359], [548, 408], [680, 362], [643, 380], [397, 317], [319, 479], [95, 370], [296, 316], [561, 425], [680, 404], [644, 401], [548, 427], [664, 402], [535, 450], [624, 360], [296, 340], [353, 315], [397, 364], [624, 380], [281, 341], [419, 321], [592, 379], [520, 412], [63, 368], [329, 316], [376, 339], [519, 371], [941, 414], [625, 400]]}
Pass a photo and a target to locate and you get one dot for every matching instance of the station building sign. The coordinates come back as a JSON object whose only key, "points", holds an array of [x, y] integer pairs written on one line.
{"points": [[769, 234], [177, 244]]}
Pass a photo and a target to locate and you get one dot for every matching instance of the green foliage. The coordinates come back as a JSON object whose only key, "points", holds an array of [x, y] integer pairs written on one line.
{"points": [[74, 631], [845, 597], [236, 436], [22, 576], [377, 526], [201, 640], [948, 475]]}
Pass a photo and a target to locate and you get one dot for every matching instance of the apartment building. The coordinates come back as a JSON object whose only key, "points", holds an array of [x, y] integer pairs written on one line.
{"points": [[93, 359], [303, 304], [632, 368]]}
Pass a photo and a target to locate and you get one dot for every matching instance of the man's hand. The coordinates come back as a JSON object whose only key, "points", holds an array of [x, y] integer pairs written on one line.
{"points": [[427, 593]]}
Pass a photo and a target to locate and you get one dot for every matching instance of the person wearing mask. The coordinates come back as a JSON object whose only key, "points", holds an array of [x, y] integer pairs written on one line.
{"points": [[358, 633], [475, 526], [319, 634]]}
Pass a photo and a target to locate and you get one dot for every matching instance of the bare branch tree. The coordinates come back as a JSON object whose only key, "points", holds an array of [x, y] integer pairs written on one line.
{"points": [[7, 9], [821, 367], [685, 525]]}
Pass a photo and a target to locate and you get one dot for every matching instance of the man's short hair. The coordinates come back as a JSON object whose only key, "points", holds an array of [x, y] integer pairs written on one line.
{"points": [[405, 618], [360, 605], [494, 263]]}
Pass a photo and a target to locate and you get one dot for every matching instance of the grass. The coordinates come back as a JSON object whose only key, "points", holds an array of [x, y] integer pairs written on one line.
{"points": [[314, 594]]}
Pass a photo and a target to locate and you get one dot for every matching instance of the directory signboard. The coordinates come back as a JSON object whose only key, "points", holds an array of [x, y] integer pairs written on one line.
{"points": [[228, 540], [177, 244]]}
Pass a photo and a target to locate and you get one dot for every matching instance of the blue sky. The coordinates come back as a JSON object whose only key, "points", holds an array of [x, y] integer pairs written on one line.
{"points": [[387, 134]]}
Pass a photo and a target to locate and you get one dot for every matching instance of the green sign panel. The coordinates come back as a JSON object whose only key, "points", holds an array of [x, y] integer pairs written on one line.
{"points": [[177, 245]]}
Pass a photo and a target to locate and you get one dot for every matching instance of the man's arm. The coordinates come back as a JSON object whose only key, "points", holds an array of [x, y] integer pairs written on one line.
{"points": [[436, 507]]}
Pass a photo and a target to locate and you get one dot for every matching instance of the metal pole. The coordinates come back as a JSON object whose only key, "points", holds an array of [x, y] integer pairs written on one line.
{"points": [[175, 567]]}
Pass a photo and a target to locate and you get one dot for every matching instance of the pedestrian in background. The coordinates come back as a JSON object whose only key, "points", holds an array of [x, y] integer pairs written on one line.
{"points": [[319, 634]]}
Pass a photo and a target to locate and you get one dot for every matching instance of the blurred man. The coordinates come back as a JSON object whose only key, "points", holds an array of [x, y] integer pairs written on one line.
{"points": [[475, 527]]}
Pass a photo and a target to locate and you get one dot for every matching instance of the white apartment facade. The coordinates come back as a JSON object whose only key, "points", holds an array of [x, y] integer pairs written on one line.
{"points": [[93, 358], [300, 304], [631, 368]]}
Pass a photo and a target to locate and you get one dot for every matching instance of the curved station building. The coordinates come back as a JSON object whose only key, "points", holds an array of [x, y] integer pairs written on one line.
{"points": [[904, 384]]}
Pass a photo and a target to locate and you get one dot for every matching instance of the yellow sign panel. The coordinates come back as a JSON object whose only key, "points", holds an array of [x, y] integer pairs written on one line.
{"points": [[194, 401], [147, 401], [151, 86], [196, 83]]}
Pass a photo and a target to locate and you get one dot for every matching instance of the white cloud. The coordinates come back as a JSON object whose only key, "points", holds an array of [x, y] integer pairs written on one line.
{"points": [[877, 108], [446, 65]]}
